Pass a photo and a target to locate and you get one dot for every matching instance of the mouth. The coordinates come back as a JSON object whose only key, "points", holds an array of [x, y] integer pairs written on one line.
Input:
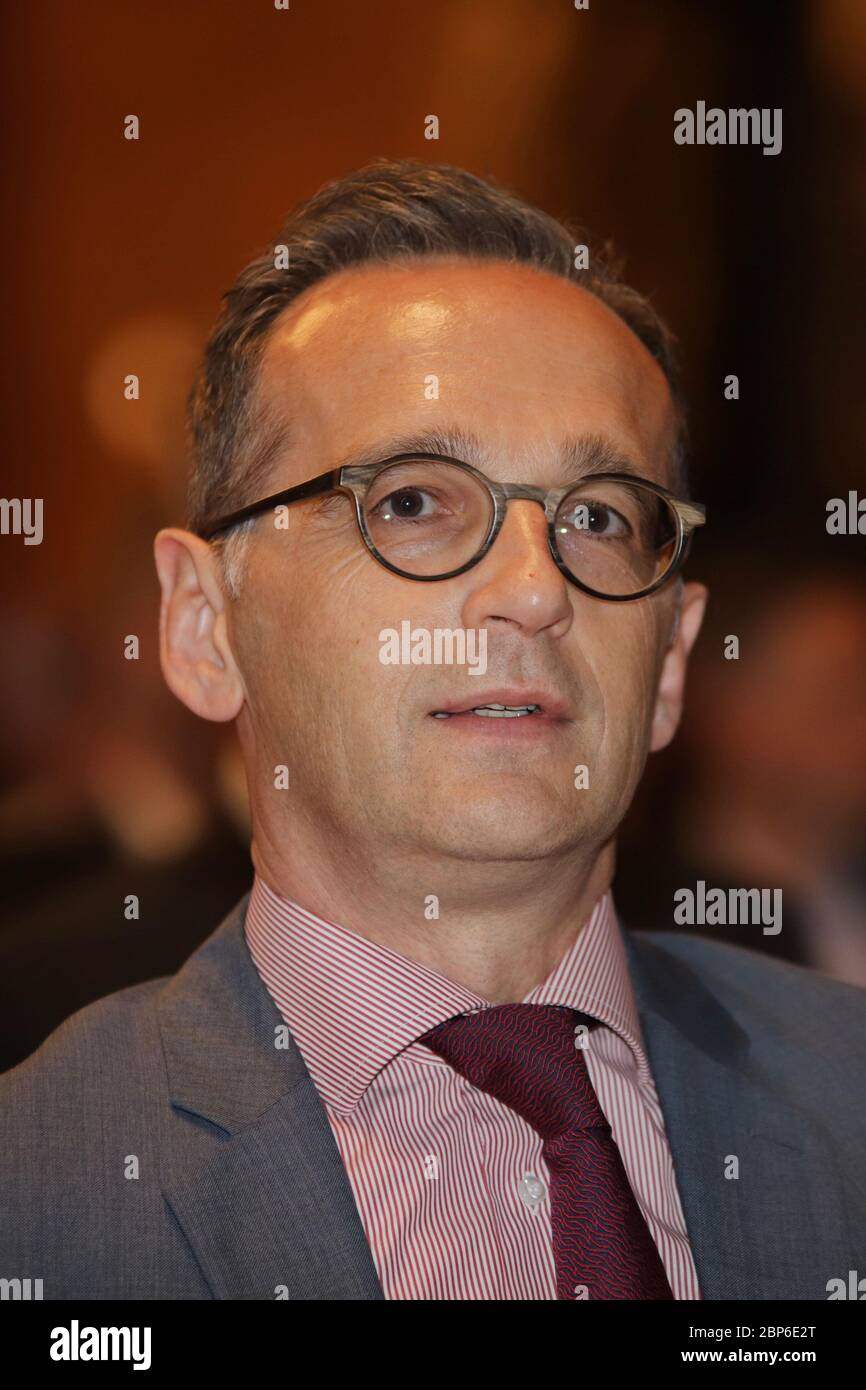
{"points": [[491, 711], [506, 707]]}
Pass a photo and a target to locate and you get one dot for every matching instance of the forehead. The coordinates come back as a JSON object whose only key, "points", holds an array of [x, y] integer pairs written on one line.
{"points": [[520, 357]]}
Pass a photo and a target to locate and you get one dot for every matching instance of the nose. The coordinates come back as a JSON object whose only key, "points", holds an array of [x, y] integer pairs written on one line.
{"points": [[518, 582]]}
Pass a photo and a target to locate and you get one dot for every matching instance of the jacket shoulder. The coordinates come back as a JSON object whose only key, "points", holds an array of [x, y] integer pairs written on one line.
{"points": [[86, 1146], [727, 962], [769, 996], [109, 1038]]}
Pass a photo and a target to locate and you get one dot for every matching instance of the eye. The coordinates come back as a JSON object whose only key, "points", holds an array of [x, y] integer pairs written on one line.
{"points": [[597, 519], [407, 504]]}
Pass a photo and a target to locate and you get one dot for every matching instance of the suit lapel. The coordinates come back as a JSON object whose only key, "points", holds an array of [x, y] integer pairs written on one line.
{"points": [[269, 1207], [262, 1196], [778, 1229]]}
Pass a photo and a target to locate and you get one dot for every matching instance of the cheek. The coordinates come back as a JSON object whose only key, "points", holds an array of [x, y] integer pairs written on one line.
{"points": [[319, 642], [627, 670]]}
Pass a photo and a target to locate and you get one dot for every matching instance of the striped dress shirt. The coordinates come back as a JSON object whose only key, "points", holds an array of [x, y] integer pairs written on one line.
{"points": [[450, 1184]]}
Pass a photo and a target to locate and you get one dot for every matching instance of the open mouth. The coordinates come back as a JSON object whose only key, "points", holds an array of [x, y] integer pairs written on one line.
{"points": [[492, 712], [507, 707]]}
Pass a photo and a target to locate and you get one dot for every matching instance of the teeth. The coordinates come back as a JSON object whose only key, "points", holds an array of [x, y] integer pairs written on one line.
{"points": [[504, 711], [495, 711]]}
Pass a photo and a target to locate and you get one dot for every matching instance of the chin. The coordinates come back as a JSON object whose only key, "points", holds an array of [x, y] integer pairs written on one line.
{"points": [[484, 832]]}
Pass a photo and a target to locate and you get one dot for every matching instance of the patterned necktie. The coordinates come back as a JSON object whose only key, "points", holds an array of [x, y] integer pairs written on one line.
{"points": [[526, 1055]]}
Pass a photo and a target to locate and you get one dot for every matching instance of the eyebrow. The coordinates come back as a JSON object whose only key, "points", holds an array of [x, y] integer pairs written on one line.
{"points": [[577, 455]]}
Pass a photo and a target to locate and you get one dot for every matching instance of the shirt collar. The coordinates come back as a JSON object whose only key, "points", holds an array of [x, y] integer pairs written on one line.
{"points": [[353, 1005]]}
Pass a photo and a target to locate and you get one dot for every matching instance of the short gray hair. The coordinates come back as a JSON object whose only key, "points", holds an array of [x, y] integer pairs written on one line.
{"points": [[388, 211]]}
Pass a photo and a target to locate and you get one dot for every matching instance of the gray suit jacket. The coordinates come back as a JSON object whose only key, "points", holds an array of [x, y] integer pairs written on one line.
{"points": [[239, 1189]]}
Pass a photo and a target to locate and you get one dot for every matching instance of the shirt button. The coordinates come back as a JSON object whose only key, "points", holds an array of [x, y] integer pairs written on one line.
{"points": [[532, 1190]]}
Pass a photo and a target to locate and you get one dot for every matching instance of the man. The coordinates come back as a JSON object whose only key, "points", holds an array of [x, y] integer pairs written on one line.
{"points": [[423, 1060]]}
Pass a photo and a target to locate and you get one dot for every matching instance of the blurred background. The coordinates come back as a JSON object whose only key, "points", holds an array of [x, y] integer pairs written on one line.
{"points": [[116, 255]]}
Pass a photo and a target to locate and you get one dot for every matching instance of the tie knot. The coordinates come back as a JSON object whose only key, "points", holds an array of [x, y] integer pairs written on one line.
{"points": [[530, 1057]]}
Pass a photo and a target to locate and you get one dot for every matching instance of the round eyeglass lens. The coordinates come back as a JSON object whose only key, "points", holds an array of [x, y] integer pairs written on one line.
{"points": [[427, 518], [616, 538]]}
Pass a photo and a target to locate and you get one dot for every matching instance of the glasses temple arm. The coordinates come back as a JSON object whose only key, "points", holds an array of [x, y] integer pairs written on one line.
{"points": [[312, 488], [692, 514]]}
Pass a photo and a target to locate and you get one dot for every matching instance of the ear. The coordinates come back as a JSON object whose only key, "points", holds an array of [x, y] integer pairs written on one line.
{"points": [[196, 657], [688, 616]]}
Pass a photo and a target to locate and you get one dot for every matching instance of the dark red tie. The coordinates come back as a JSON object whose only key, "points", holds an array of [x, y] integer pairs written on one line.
{"points": [[526, 1056]]}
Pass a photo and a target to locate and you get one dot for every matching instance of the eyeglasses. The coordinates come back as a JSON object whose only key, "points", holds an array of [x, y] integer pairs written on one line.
{"points": [[430, 517]]}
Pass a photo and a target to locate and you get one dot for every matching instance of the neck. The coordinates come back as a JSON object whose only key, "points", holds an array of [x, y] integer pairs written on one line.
{"points": [[501, 928]]}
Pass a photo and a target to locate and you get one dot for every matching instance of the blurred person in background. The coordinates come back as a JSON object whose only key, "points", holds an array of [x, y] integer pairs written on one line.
{"points": [[103, 796], [772, 761]]}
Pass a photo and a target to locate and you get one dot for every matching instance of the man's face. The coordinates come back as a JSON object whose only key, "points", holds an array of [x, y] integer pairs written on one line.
{"points": [[523, 359]]}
